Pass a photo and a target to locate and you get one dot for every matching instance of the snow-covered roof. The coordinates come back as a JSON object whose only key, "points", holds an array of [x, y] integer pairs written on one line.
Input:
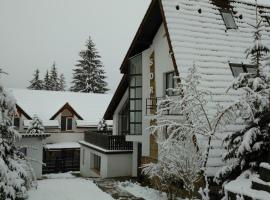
{"points": [[45, 104], [46, 123], [202, 39], [63, 145], [87, 124]]}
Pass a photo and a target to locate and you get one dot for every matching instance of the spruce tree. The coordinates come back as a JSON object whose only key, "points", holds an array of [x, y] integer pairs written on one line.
{"points": [[36, 83], [54, 80], [89, 75], [46, 81], [62, 83], [14, 179]]}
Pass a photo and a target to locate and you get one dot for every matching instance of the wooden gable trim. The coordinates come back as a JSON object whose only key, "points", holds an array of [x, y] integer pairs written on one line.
{"points": [[68, 107], [21, 111], [145, 33]]}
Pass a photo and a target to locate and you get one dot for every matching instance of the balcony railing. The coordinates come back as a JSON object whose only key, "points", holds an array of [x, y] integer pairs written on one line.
{"points": [[152, 106], [106, 140]]}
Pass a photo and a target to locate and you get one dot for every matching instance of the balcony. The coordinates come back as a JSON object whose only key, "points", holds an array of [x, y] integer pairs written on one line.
{"points": [[107, 141]]}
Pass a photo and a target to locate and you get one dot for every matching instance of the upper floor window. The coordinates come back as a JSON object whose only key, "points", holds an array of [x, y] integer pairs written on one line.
{"points": [[268, 20], [228, 19], [241, 68], [16, 122], [170, 83], [66, 123]]}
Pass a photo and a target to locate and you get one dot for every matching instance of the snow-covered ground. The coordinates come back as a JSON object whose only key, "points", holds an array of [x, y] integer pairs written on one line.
{"points": [[67, 187], [144, 192]]}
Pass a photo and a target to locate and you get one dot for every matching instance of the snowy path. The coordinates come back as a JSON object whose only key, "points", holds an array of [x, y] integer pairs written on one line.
{"points": [[67, 188]]}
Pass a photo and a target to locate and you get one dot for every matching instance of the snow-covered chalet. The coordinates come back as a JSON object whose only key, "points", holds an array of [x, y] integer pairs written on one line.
{"points": [[173, 36], [65, 116]]}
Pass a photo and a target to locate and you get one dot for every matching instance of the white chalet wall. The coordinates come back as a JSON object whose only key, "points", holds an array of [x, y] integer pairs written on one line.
{"points": [[112, 165], [34, 147]]}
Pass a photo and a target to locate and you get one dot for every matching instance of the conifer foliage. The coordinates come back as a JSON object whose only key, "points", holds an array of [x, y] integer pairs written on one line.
{"points": [[36, 83], [51, 80], [89, 75], [14, 179]]}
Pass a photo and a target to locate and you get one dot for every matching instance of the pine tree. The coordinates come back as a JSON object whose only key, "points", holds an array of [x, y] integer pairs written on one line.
{"points": [[36, 126], [36, 83], [250, 146], [46, 81], [54, 80], [62, 83], [89, 75], [14, 179]]}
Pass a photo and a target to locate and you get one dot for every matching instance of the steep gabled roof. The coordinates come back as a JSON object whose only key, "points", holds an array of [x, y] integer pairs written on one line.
{"points": [[66, 107], [199, 36]]}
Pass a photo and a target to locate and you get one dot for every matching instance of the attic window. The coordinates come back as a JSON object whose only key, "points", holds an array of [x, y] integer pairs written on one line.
{"points": [[228, 19], [268, 20], [241, 68]]}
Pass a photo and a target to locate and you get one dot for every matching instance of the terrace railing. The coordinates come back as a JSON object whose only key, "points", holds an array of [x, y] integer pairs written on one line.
{"points": [[106, 140]]}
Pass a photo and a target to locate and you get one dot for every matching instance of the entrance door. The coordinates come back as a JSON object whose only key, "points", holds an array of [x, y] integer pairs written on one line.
{"points": [[139, 161]]}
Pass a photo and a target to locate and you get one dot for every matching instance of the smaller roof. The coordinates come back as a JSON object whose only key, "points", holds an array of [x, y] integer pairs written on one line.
{"points": [[85, 124], [63, 145]]}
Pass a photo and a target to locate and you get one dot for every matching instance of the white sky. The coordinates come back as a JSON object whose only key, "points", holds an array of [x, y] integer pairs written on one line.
{"points": [[34, 33]]}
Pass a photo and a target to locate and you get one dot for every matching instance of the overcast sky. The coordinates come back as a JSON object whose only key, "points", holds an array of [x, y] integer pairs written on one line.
{"points": [[34, 33]]}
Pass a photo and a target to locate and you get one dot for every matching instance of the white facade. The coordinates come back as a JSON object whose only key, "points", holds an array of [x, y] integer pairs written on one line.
{"points": [[112, 164], [34, 152]]}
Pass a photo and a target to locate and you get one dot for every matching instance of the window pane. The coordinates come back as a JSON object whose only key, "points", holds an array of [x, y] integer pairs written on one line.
{"points": [[132, 129], [63, 123], [237, 70], [132, 93], [138, 105], [251, 70], [228, 19], [138, 128], [132, 117], [132, 81], [69, 124], [138, 92], [138, 117], [132, 104], [138, 80]]}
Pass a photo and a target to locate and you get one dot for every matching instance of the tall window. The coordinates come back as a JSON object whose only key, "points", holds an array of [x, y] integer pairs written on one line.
{"points": [[66, 123], [124, 120], [135, 95], [16, 122], [228, 19], [170, 82], [97, 162], [241, 68]]}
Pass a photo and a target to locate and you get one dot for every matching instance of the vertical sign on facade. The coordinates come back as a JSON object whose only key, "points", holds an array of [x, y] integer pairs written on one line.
{"points": [[153, 109]]}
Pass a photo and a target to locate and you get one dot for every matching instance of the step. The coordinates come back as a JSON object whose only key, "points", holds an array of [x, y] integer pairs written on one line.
{"points": [[258, 184], [265, 172]]}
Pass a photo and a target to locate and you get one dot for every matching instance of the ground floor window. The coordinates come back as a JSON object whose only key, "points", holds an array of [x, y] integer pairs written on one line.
{"points": [[97, 162]]}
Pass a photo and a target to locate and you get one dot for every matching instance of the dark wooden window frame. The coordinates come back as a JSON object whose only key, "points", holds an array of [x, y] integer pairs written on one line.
{"points": [[224, 20], [243, 66], [16, 122], [167, 74], [66, 124], [134, 111]]}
